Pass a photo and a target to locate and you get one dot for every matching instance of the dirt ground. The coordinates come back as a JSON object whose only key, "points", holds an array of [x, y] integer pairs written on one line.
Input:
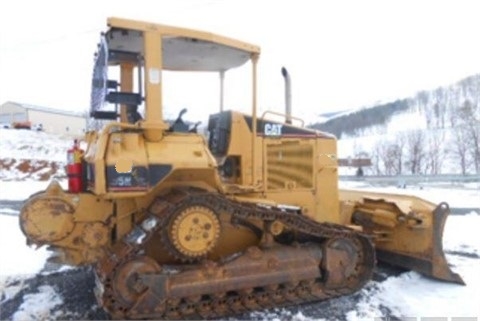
{"points": [[39, 169]]}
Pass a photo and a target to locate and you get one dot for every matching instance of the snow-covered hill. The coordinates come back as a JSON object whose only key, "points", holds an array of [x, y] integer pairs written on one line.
{"points": [[434, 132]]}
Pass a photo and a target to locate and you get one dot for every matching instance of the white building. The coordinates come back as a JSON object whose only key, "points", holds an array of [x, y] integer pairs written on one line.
{"points": [[51, 120]]}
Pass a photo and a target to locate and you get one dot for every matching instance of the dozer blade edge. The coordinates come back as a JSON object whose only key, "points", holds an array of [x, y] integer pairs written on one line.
{"points": [[407, 230]]}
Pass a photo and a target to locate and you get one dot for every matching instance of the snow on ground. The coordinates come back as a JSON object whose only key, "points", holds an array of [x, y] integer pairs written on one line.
{"points": [[38, 306], [29, 154], [18, 263], [22, 260], [462, 235], [30, 144], [413, 295]]}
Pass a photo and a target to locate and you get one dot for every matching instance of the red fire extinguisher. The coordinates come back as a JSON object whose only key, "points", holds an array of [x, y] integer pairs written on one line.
{"points": [[74, 168]]}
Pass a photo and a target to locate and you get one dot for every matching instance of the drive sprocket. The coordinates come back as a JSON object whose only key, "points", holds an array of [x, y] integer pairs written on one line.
{"points": [[193, 232]]}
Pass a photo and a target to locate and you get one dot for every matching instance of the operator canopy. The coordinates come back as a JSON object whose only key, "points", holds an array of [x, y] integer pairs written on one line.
{"points": [[183, 49], [182, 53]]}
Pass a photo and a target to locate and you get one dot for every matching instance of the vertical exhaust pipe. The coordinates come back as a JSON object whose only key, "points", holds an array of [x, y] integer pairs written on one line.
{"points": [[288, 96]]}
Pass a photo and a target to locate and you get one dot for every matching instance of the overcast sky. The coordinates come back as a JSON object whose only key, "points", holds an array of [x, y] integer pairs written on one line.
{"points": [[341, 54]]}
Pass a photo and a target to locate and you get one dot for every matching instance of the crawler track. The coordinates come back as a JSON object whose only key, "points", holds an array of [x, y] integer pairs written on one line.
{"points": [[154, 292]]}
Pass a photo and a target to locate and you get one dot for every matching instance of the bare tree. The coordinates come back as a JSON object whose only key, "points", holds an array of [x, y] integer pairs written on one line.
{"points": [[460, 149], [469, 118], [387, 157], [415, 151], [475, 142], [435, 153], [399, 152], [440, 108], [393, 153], [474, 146], [378, 155], [460, 136]]}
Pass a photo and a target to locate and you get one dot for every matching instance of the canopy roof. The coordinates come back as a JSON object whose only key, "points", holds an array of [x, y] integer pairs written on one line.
{"points": [[182, 49]]}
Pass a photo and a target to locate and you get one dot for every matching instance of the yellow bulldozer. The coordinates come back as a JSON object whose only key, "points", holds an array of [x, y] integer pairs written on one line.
{"points": [[182, 225]]}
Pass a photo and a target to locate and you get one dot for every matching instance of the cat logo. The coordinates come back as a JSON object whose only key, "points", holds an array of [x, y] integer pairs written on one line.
{"points": [[272, 129]]}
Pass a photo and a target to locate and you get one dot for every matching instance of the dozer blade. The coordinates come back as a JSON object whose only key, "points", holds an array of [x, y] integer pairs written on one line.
{"points": [[407, 230]]}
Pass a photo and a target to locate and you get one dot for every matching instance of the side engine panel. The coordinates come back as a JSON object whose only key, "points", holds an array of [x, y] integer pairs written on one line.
{"points": [[295, 166]]}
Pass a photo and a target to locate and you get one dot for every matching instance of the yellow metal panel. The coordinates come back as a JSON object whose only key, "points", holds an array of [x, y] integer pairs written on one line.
{"points": [[153, 85], [182, 151], [289, 164], [183, 32], [254, 120], [127, 146], [126, 85], [327, 207], [98, 153]]}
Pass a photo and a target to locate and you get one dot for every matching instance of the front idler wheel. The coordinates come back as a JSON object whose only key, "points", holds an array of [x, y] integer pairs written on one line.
{"points": [[128, 284]]}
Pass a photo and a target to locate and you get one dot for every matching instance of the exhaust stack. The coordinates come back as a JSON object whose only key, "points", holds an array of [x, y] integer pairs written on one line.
{"points": [[288, 96]]}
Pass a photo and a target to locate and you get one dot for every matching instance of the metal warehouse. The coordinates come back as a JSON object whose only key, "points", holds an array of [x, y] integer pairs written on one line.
{"points": [[49, 119]]}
